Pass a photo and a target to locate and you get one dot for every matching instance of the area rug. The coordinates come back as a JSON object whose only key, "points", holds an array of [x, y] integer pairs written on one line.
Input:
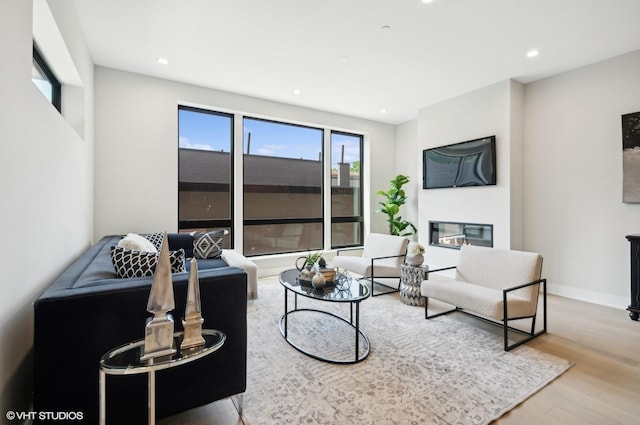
{"points": [[439, 371]]}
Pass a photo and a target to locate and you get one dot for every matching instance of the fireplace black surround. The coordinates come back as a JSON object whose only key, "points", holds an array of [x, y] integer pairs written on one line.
{"points": [[453, 235]]}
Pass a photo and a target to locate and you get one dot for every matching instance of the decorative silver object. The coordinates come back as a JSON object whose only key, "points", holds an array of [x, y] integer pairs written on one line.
{"points": [[318, 281], [192, 322], [158, 339]]}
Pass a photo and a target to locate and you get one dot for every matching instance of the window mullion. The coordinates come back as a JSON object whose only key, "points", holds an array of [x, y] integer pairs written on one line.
{"points": [[326, 185], [238, 181]]}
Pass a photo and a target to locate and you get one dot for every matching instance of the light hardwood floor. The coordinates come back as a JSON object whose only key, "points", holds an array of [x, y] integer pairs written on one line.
{"points": [[602, 388]]}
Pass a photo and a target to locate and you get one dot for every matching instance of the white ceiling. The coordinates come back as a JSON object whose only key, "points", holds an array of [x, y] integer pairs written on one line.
{"points": [[337, 55]]}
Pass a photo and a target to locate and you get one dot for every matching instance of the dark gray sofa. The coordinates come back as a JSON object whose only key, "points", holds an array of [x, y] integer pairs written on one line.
{"points": [[87, 311]]}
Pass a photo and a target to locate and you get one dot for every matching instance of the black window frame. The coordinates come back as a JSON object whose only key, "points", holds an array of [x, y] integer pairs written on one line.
{"points": [[297, 220], [56, 87], [353, 219], [209, 223], [325, 166]]}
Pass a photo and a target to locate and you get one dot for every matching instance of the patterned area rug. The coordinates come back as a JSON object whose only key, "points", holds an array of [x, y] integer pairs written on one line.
{"points": [[439, 371]]}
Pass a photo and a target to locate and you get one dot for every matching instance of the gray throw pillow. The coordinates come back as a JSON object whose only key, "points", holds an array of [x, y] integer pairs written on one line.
{"points": [[209, 244]]}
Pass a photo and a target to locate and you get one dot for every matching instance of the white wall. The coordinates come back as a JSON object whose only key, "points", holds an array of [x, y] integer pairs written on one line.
{"points": [[409, 164], [484, 112], [559, 186], [46, 189], [137, 137], [573, 185]]}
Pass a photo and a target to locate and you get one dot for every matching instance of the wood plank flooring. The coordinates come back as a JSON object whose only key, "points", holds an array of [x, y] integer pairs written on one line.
{"points": [[602, 388]]}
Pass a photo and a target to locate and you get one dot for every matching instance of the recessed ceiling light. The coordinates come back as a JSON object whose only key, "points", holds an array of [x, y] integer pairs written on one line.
{"points": [[532, 53], [383, 111], [427, 1], [163, 61], [296, 91]]}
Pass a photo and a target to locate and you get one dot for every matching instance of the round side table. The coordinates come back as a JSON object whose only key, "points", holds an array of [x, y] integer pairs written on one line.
{"points": [[410, 279], [125, 360]]}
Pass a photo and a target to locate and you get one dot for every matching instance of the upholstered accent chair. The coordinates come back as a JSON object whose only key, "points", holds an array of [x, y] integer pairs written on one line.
{"points": [[379, 262], [497, 285]]}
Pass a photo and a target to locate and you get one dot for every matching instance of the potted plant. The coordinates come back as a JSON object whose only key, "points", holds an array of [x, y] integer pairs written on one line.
{"points": [[394, 199], [314, 258]]}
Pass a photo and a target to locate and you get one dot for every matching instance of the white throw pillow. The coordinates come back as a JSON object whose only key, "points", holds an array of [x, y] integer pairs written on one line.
{"points": [[136, 242]]}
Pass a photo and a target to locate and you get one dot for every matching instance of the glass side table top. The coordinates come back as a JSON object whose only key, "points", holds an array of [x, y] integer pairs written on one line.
{"points": [[345, 289], [125, 360]]}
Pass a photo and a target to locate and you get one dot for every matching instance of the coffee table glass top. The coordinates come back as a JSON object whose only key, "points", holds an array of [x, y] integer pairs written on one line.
{"points": [[345, 288]]}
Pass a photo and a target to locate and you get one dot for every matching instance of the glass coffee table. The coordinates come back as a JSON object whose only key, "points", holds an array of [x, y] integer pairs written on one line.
{"points": [[344, 290]]}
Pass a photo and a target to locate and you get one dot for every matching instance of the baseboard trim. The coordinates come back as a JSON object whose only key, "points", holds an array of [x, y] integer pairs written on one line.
{"points": [[587, 295]]}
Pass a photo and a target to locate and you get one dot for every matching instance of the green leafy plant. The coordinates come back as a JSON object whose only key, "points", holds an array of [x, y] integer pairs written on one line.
{"points": [[313, 258], [394, 199]]}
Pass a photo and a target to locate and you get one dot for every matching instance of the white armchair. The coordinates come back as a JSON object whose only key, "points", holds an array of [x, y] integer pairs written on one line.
{"points": [[496, 284], [379, 263]]}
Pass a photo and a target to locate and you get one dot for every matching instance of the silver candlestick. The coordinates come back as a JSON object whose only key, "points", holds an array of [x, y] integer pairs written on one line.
{"points": [[158, 339], [192, 322]]}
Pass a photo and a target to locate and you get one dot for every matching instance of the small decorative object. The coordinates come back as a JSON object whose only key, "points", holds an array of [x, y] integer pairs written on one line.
{"points": [[414, 254], [314, 258], [192, 322], [318, 281], [308, 267], [158, 339], [328, 273]]}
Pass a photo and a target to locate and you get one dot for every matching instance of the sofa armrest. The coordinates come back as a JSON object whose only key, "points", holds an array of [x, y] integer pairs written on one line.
{"points": [[235, 259], [439, 270], [533, 300]]}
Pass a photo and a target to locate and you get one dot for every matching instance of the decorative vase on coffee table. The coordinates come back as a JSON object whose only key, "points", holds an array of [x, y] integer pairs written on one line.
{"points": [[318, 281], [414, 260]]}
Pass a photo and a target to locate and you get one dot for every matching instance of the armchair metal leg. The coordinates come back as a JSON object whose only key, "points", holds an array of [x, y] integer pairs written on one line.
{"points": [[388, 289], [426, 310], [532, 334]]}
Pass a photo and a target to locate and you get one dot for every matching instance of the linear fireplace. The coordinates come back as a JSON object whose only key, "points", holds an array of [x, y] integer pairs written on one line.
{"points": [[449, 234]]}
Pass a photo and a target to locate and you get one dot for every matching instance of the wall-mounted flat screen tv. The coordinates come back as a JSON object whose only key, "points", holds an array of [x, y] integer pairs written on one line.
{"points": [[470, 163]]}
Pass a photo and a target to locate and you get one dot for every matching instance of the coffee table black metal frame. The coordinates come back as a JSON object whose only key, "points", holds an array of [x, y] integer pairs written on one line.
{"points": [[345, 290]]}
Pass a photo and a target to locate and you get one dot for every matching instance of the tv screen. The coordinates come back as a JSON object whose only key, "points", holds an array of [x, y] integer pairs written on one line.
{"points": [[470, 163]]}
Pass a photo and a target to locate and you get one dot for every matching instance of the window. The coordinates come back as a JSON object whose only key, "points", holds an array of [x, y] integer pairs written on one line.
{"points": [[45, 80], [346, 194], [283, 200], [283, 190], [205, 171]]}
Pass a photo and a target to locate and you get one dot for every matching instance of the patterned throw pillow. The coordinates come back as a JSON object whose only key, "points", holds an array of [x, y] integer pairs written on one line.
{"points": [[156, 239], [128, 263], [208, 245]]}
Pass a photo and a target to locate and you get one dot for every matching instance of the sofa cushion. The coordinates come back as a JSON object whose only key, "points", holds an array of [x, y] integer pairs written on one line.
{"points": [[128, 263], [208, 263], [477, 298], [209, 244], [181, 240]]}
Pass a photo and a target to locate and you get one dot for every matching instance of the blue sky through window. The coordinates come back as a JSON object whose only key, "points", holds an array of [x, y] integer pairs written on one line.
{"points": [[199, 130], [282, 140]]}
